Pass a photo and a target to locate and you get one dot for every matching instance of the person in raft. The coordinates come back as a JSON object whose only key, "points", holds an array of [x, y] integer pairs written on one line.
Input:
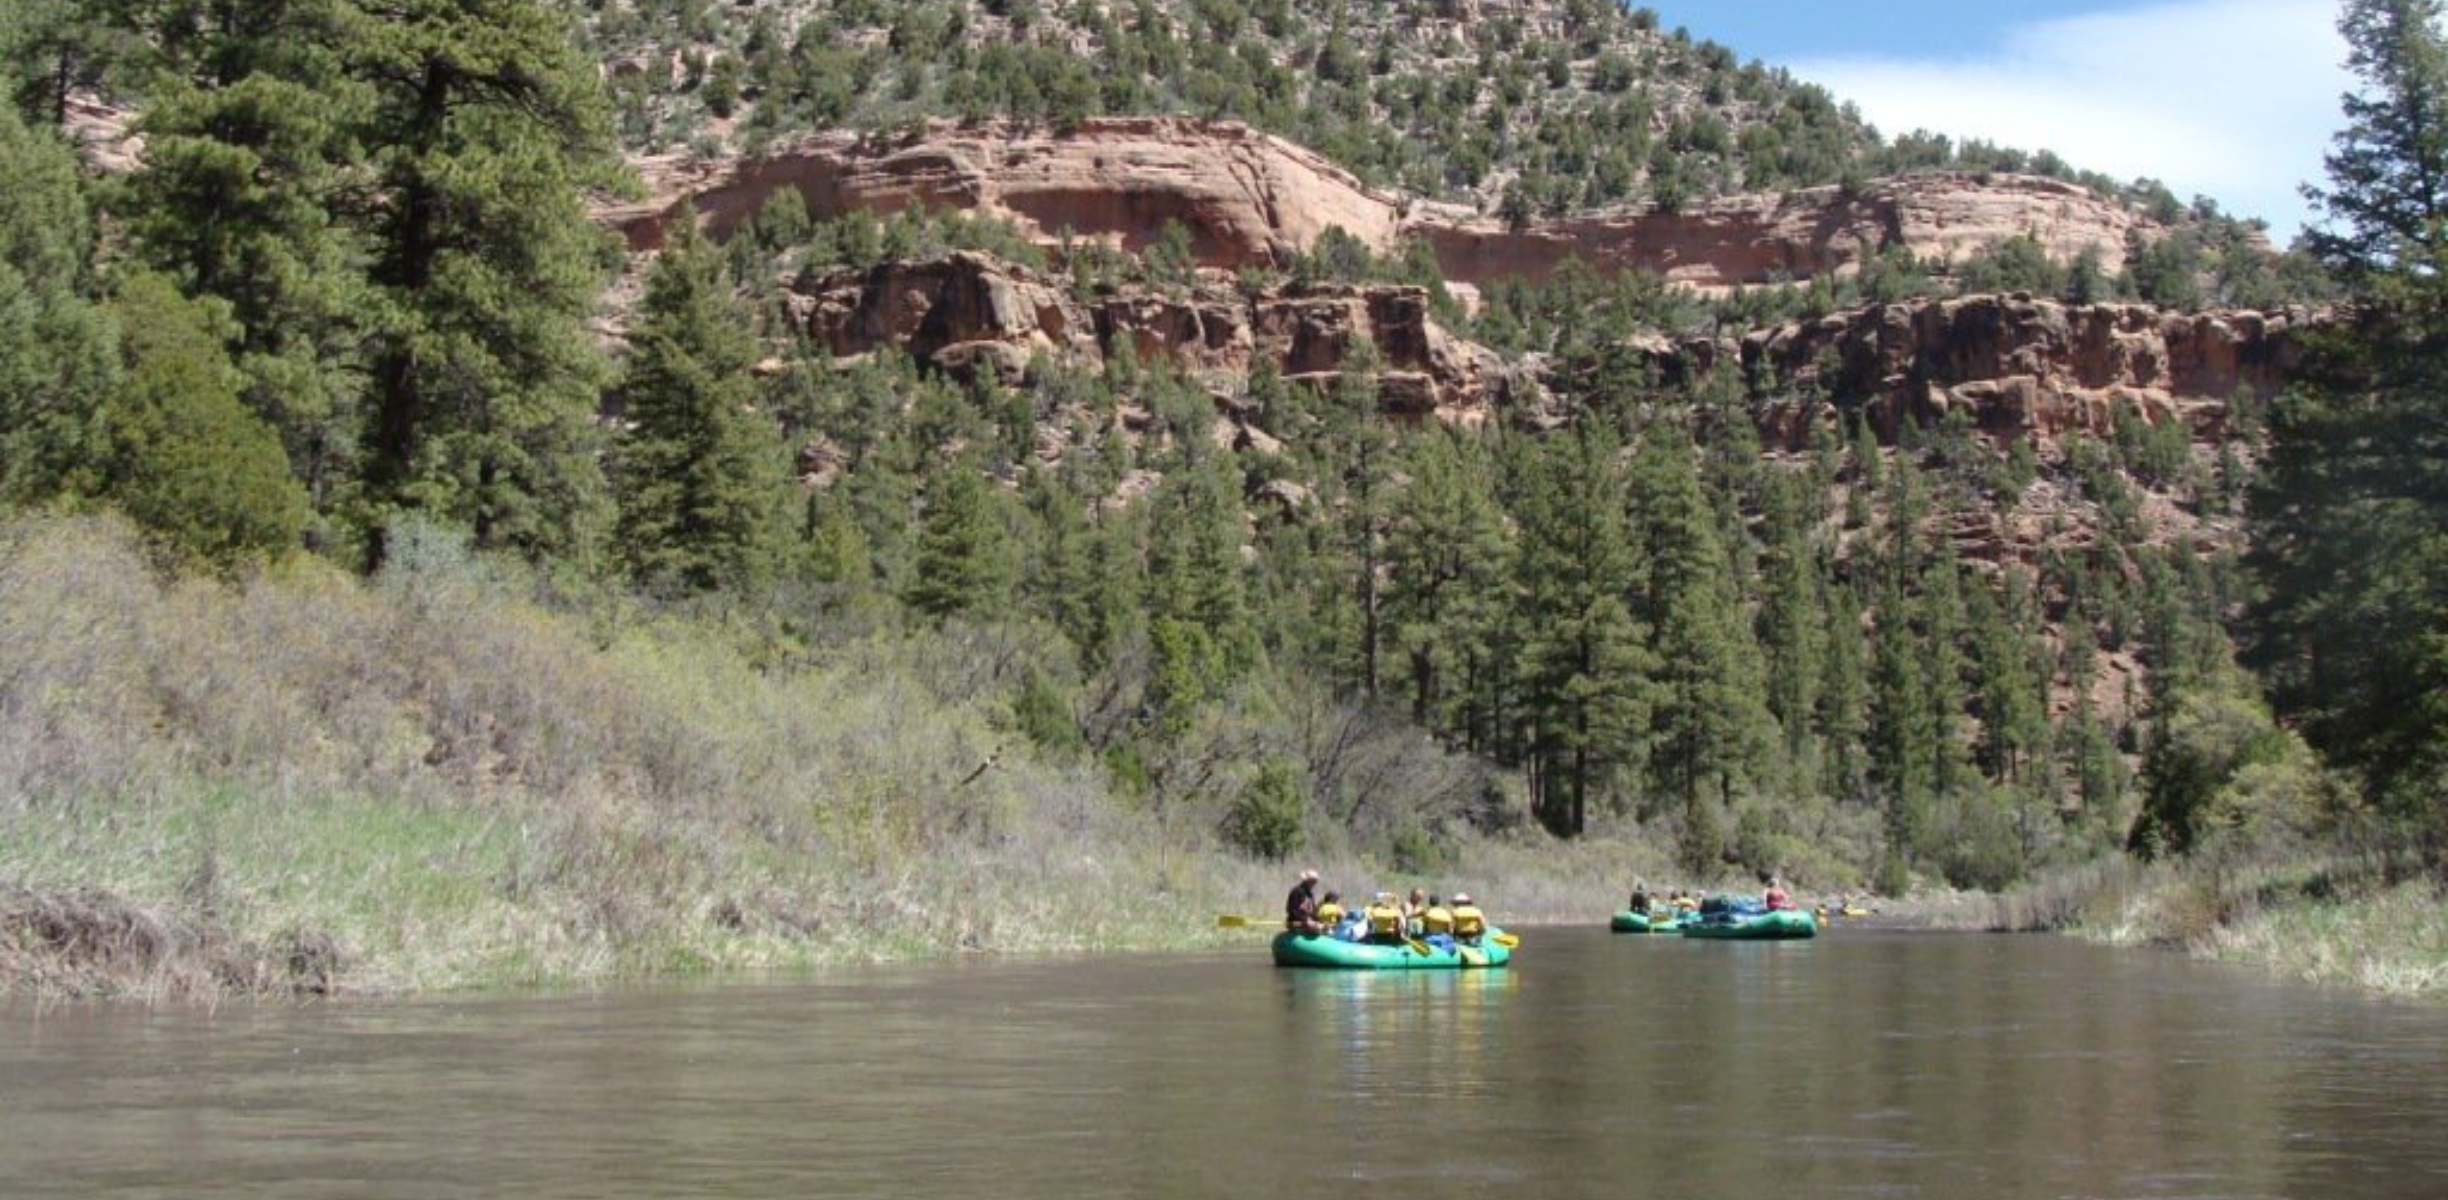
{"points": [[1469, 924], [1301, 907], [1330, 910], [1640, 897], [1436, 924], [1385, 920], [1775, 897], [1413, 909]]}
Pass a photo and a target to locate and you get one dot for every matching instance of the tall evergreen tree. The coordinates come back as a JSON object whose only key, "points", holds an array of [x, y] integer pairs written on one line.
{"points": [[1197, 604], [1446, 551], [51, 49], [1844, 703], [699, 471], [251, 194], [486, 130], [58, 346], [2013, 702], [2350, 522], [1794, 629], [965, 562], [1708, 719], [2388, 169], [1585, 657]]}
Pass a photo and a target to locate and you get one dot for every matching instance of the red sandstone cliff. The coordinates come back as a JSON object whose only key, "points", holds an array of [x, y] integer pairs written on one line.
{"points": [[967, 313], [1252, 198], [2020, 366]]}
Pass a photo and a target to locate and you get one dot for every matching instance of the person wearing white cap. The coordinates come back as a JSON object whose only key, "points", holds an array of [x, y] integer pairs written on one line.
{"points": [[1469, 924], [1300, 907]]}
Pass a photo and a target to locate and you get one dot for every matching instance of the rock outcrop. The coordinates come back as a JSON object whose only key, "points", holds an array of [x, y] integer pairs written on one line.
{"points": [[966, 313], [1249, 198], [1245, 197], [2020, 366], [1749, 240]]}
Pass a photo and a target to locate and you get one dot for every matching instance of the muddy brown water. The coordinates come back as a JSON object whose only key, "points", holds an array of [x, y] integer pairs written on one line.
{"points": [[1860, 1064]]}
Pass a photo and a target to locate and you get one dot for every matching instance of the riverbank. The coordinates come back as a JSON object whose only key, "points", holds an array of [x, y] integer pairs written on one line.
{"points": [[433, 780], [313, 784], [2375, 924], [213, 893], [2321, 922]]}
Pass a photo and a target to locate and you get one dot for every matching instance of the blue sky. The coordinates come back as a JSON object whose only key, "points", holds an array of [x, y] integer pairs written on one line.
{"points": [[2232, 99]]}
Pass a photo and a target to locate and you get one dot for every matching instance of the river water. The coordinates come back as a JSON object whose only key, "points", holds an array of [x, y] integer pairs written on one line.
{"points": [[1859, 1064]]}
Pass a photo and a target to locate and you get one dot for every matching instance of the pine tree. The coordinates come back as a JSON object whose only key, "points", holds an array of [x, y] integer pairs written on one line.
{"points": [[1585, 658], [1794, 629], [699, 471], [185, 458], [1446, 553], [50, 49], [1709, 722], [251, 194], [2013, 703], [58, 346], [1844, 703], [1941, 611], [2388, 172], [2350, 522], [964, 562], [1197, 609], [486, 129]]}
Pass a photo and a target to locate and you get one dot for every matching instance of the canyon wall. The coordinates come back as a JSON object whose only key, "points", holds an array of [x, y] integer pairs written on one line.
{"points": [[1253, 199]]}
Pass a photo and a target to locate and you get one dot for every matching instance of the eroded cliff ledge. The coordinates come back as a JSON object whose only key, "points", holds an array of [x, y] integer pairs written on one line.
{"points": [[1249, 198], [2018, 366]]}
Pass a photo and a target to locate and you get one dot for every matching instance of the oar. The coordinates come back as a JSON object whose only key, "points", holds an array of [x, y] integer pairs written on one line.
{"points": [[1237, 921], [1506, 940]]}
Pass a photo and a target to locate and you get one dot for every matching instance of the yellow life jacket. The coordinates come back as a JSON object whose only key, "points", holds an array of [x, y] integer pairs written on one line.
{"points": [[1385, 920], [1468, 921], [1330, 912], [1438, 919]]}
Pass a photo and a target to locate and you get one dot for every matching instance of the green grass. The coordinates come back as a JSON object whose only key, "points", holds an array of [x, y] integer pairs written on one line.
{"points": [[2392, 942]]}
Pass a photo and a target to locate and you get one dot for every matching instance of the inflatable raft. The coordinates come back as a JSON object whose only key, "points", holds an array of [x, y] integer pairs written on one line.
{"points": [[1628, 921], [1760, 926], [1319, 950]]}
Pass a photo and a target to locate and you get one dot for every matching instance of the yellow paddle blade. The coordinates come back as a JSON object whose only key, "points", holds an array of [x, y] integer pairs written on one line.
{"points": [[1236, 921], [1506, 940]]}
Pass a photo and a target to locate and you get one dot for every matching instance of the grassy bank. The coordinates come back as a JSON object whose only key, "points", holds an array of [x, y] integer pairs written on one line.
{"points": [[2356, 920], [444, 778], [2333, 921]]}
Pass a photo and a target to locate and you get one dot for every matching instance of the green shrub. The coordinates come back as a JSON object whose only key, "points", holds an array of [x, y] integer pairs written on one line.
{"points": [[1266, 818]]}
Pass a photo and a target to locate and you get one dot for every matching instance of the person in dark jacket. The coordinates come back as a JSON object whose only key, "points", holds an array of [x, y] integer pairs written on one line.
{"points": [[1300, 907]]}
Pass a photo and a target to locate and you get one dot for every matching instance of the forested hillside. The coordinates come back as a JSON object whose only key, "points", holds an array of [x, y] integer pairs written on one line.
{"points": [[1912, 570]]}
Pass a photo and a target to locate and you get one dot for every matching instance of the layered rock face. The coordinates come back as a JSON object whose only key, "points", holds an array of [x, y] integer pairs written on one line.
{"points": [[2021, 367], [1249, 198], [1749, 240], [969, 313], [1245, 197]]}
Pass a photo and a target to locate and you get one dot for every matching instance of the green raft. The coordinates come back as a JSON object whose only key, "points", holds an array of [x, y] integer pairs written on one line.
{"points": [[1628, 921], [1753, 927], [1318, 950]]}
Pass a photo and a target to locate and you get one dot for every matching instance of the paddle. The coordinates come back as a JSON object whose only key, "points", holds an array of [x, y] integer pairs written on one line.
{"points": [[1237, 921], [1506, 940]]}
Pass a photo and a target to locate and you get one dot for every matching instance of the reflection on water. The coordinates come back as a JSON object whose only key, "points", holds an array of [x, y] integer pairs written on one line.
{"points": [[1856, 1064], [1400, 1037]]}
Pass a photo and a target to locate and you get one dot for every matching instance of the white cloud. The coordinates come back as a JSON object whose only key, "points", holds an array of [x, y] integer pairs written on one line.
{"points": [[2231, 99]]}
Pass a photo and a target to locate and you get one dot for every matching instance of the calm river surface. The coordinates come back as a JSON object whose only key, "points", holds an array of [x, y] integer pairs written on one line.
{"points": [[1860, 1064]]}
